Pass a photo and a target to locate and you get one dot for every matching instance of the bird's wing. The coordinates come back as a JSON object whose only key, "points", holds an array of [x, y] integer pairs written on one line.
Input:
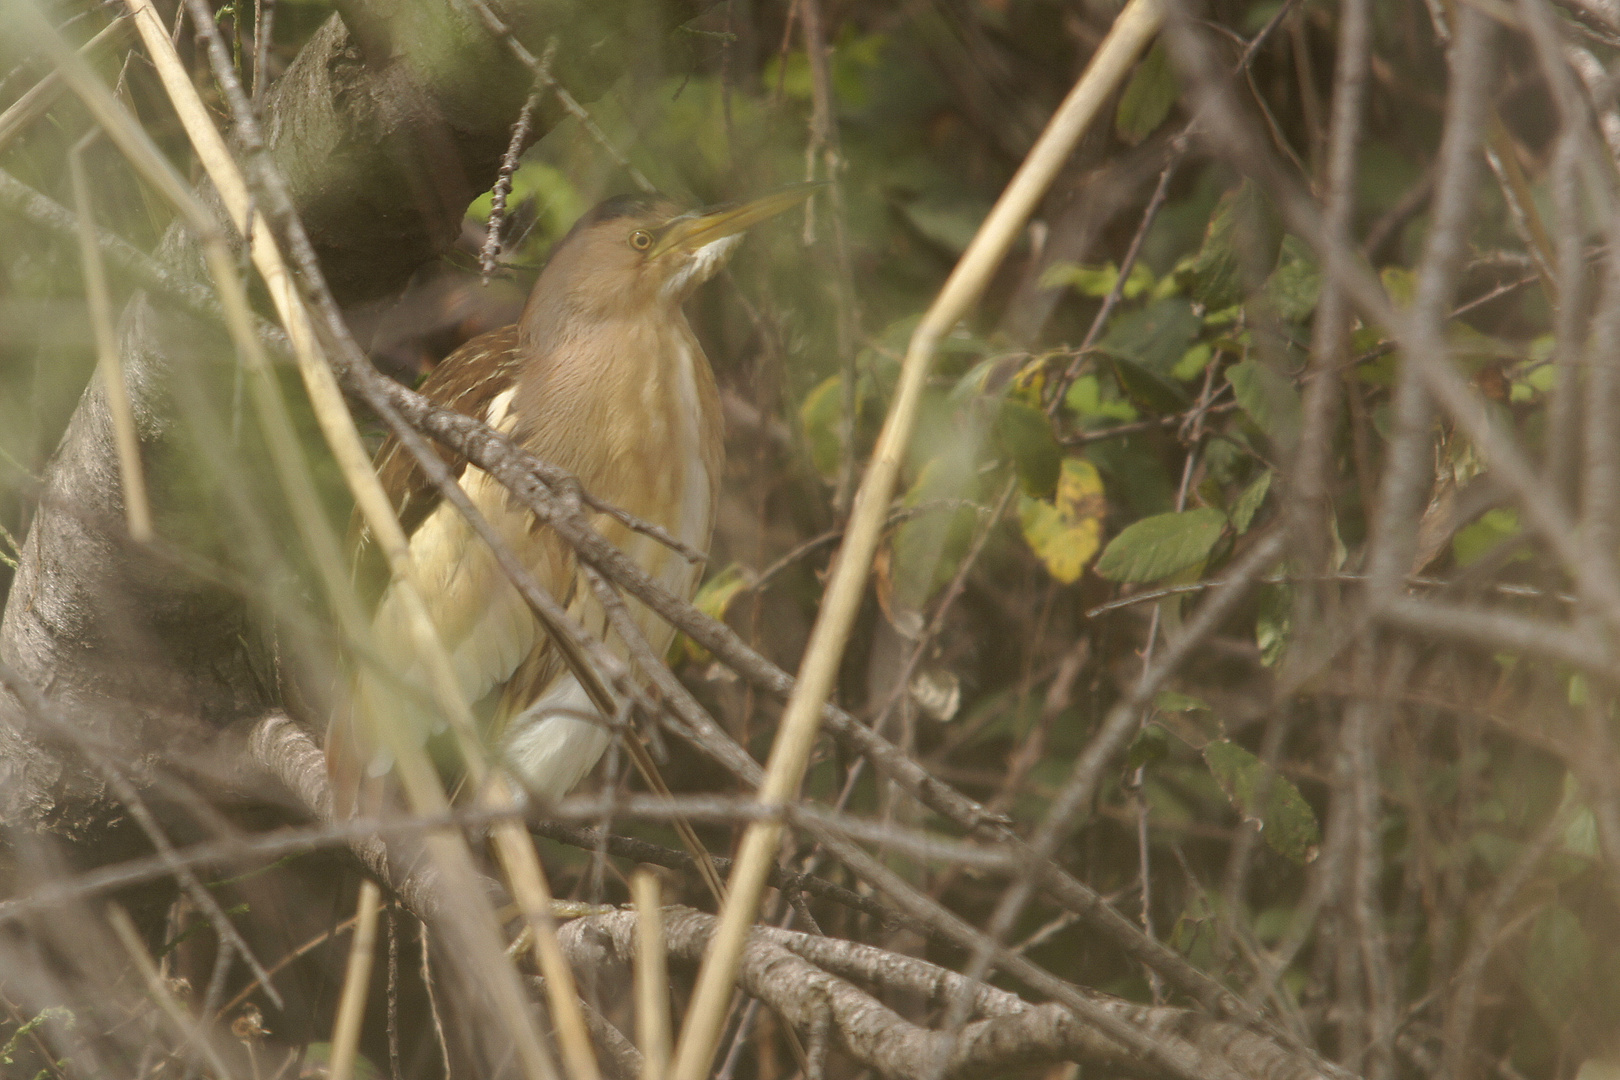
{"points": [[467, 380]]}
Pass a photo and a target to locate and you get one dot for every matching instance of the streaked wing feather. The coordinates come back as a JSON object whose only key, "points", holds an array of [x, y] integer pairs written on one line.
{"points": [[467, 381]]}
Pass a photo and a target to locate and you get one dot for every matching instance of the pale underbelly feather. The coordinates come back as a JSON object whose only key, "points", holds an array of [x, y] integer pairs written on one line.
{"points": [[555, 741]]}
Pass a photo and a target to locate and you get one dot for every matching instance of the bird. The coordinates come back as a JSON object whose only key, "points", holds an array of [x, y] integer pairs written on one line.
{"points": [[600, 376]]}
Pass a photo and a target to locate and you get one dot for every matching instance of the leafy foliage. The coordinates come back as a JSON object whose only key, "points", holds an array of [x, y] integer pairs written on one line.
{"points": [[1058, 476]]}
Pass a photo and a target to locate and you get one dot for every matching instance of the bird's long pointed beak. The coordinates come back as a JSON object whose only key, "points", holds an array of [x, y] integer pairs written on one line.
{"points": [[688, 234]]}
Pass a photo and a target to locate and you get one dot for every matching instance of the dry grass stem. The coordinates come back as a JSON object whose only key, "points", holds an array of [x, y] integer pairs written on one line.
{"points": [[356, 983], [652, 976], [137, 510], [533, 894]]}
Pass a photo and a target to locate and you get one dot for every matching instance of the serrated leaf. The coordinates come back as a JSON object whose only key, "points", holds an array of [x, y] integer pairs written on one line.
{"points": [[1262, 794], [1066, 532], [1248, 502], [1025, 435], [1164, 544], [1271, 401], [1216, 275], [1148, 96]]}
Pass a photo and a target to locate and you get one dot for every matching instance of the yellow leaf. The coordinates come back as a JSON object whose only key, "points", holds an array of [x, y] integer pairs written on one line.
{"points": [[713, 599], [1067, 531]]}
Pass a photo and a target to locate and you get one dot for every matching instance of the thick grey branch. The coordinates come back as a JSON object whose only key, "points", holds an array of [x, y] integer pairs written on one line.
{"points": [[803, 978]]}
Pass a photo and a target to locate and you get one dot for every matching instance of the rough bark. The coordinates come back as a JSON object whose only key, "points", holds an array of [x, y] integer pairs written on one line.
{"points": [[807, 980]]}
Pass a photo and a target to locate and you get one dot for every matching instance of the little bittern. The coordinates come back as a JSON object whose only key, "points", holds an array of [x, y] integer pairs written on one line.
{"points": [[600, 376]]}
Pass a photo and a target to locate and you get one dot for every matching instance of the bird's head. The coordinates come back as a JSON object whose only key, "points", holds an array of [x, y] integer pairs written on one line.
{"points": [[632, 252]]}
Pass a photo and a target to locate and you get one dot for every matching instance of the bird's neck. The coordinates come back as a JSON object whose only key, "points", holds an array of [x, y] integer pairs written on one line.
{"points": [[625, 380]]}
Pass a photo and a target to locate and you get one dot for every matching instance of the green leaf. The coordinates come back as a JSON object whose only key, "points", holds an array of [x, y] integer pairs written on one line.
{"points": [[1555, 962], [1400, 283], [1294, 286], [1247, 504], [1216, 275], [1025, 435], [1147, 97], [558, 204], [948, 221], [1271, 401], [1273, 621], [1162, 545], [1193, 361], [1262, 794], [1172, 701], [320, 1053], [926, 549], [1493, 527], [1067, 531], [714, 600], [821, 416], [1153, 744], [1098, 281], [59, 1013], [1085, 399], [1147, 390], [1156, 337]]}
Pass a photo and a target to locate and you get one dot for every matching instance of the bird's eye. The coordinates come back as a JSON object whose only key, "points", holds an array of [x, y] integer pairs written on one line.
{"points": [[641, 239]]}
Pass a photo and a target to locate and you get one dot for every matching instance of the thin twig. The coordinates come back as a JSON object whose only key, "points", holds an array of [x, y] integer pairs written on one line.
{"points": [[264, 25], [183, 1024], [45, 716], [477, 927], [824, 138], [509, 165]]}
